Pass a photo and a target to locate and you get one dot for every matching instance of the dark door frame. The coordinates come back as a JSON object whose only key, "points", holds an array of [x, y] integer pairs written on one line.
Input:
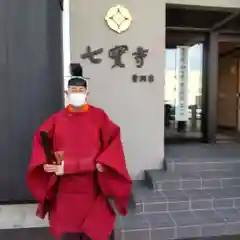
{"points": [[210, 87]]}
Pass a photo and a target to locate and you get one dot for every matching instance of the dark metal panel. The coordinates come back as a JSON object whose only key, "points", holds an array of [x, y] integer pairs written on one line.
{"points": [[33, 91], [204, 125], [197, 19], [54, 46], [218, 26], [176, 38], [201, 8], [210, 87], [187, 29], [231, 38]]}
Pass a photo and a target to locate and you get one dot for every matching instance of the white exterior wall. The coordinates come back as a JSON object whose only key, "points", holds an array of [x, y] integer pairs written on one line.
{"points": [[137, 107]]}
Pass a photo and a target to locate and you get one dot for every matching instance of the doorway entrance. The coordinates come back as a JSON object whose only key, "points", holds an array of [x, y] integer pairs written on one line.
{"points": [[211, 89]]}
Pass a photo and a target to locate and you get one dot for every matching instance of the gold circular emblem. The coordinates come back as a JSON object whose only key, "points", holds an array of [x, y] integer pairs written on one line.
{"points": [[118, 18]]}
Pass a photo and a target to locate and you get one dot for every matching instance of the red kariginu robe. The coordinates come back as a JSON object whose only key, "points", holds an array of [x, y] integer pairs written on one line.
{"points": [[78, 200]]}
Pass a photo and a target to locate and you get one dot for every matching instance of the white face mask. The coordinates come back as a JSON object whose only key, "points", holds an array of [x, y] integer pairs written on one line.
{"points": [[77, 99]]}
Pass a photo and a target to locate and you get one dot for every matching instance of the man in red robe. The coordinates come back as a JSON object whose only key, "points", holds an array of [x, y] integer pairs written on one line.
{"points": [[76, 194]]}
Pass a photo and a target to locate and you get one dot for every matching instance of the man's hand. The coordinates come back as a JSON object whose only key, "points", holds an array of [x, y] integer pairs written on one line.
{"points": [[53, 168], [100, 167]]}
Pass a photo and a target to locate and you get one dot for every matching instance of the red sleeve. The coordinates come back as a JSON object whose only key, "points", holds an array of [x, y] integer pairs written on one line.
{"points": [[37, 179], [115, 181]]}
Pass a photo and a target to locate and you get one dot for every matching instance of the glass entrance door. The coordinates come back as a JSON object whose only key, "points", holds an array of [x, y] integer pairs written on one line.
{"points": [[183, 93]]}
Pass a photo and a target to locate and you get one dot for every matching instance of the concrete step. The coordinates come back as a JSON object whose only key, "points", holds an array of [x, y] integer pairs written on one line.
{"points": [[203, 151], [161, 180], [149, 201], [181, 214], [202, 164], [179, 225]]}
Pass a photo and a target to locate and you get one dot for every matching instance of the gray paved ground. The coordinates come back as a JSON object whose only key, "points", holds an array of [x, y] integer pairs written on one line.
{"points": [[43, 234]]}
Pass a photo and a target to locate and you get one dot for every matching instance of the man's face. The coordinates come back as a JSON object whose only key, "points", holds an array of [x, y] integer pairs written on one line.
{"points": [[77, 89], [77, 95]]}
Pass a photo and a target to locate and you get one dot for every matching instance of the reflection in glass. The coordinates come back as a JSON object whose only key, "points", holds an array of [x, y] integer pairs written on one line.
{"points": [[194, 94]]}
